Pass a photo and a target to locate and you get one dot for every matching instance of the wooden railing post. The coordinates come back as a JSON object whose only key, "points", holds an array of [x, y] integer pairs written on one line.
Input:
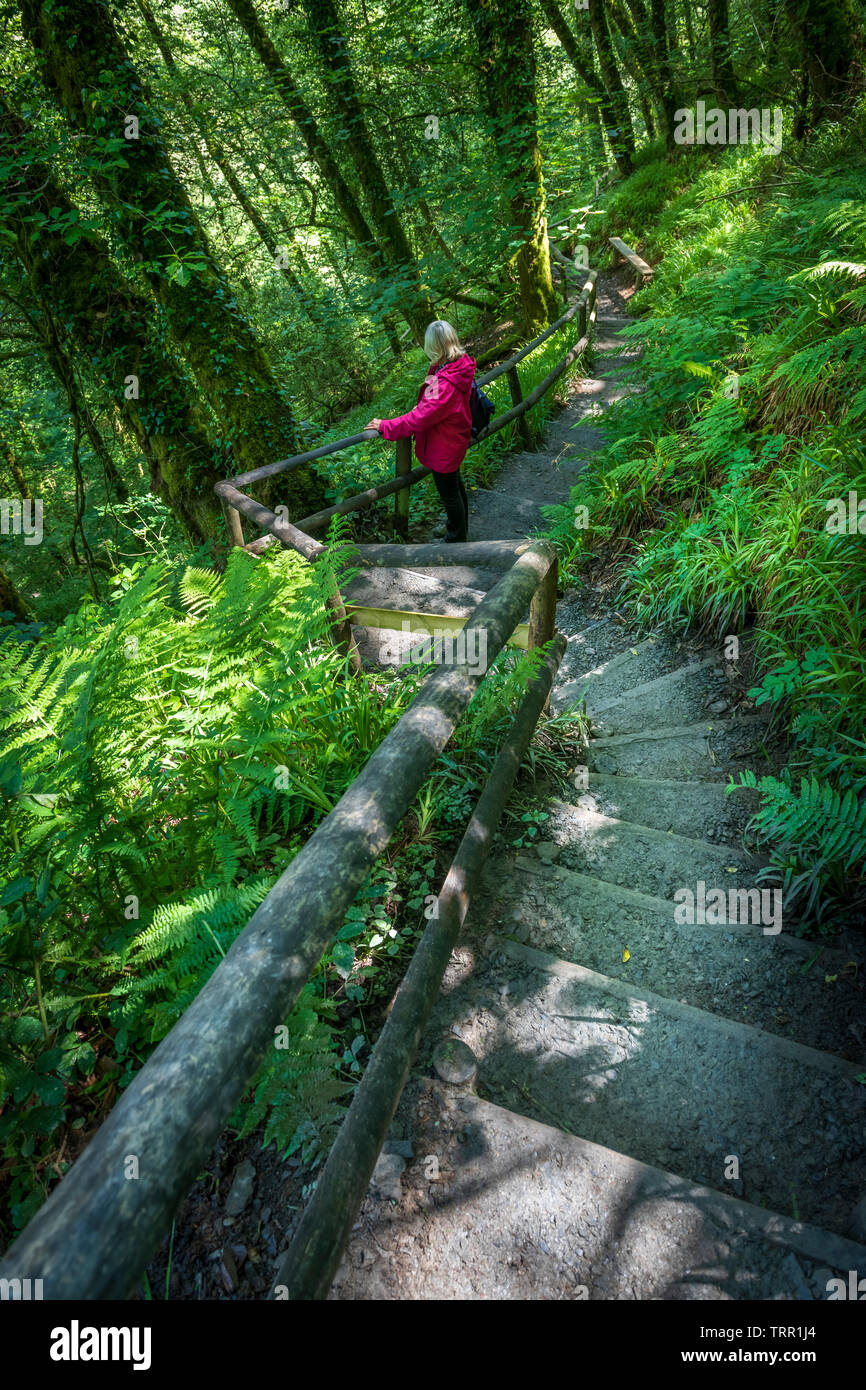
{"points": [[542, 612], [343, 637], [523, 427], [233, 523], [401, 498]]}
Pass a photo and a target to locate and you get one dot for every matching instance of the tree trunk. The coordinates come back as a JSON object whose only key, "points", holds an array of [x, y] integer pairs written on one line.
{"points": [[827, 30], [720, 50], [668, 97], [11, 601], [85, 63], [593, 96], [15, 470], [317, 147], [63, 367], [220, 159], [504, 33], [112, 327], [690, 32], [637, 60], [621, 134], [333, 50]]}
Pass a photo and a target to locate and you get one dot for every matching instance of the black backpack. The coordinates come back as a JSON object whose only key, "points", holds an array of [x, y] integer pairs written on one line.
{"points": [[481, 409]]}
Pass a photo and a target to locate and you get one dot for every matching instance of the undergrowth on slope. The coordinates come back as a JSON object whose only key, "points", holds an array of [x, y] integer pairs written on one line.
{"points": [[732, 490], [167, 754]]}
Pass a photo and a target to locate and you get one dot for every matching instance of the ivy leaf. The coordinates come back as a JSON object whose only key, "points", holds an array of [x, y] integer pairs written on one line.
{"points": [[50, 1090], [26, 1029], [343, 958]]}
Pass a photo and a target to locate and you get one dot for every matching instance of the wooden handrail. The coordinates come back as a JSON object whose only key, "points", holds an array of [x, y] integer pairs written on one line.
{"points": [[230, 490], [311, 1261], [97, 1231]]}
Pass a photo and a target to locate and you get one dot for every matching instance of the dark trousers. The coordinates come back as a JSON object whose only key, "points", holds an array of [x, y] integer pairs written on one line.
{"points": [[453, 494]]}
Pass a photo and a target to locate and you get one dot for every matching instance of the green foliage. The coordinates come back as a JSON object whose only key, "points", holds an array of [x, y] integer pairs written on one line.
{"points": [[817, 840], [718, 481], [165, 756], [298, 1091]]}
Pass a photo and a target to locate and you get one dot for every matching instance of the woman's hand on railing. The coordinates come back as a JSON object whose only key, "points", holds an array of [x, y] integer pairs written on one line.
{"points": [[373, 424]]}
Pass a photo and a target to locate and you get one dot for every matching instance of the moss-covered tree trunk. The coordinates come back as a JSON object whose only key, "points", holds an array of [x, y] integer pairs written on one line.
{"points": [[85, 63], [621, 135], [113, 329], [827, 31], [333, 51], [11, 601], [504, 34], [7, 454], [720, 50]]}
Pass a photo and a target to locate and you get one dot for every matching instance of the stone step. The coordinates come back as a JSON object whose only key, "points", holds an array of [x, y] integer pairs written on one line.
{"points": [[682, 696], [720, 1102], [589, 643], [495, 1205], [715, 749], [464, 576], [615, 676], [430, 592], [705, 810], [627, 852], [776, 982], [410, 590]]}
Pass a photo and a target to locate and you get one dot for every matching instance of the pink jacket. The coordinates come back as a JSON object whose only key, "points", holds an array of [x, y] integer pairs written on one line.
{"points": [[441, 421]]}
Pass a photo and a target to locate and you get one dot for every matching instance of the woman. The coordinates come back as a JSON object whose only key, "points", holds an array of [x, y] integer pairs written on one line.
{"points": [[441, 423]]}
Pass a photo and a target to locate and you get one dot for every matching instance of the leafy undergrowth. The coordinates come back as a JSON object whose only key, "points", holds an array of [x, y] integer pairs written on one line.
{"points": [[732, 490], [167, 754]]}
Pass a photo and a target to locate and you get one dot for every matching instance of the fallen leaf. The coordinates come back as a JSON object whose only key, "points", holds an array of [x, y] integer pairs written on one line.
{"points": [[830, 979], [626, 955]]}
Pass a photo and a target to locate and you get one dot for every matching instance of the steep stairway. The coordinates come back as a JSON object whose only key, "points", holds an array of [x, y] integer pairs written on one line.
{"points": [[638, 1081]]}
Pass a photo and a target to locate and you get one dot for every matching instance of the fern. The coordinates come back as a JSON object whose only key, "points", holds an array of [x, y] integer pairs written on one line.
{"points": [[817, 839], [298, 1093]]}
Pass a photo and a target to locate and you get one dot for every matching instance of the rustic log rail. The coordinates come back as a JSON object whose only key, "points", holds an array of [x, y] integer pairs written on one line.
{"points": [[99, 1227], [643, 272], [233, 496]]}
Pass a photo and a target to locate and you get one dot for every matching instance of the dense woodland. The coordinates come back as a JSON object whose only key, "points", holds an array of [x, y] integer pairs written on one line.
{"points": [[223, 228]]}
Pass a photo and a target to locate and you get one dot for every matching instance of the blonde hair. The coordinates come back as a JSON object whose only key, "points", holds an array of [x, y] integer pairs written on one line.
{"points": [[441, 343]]}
